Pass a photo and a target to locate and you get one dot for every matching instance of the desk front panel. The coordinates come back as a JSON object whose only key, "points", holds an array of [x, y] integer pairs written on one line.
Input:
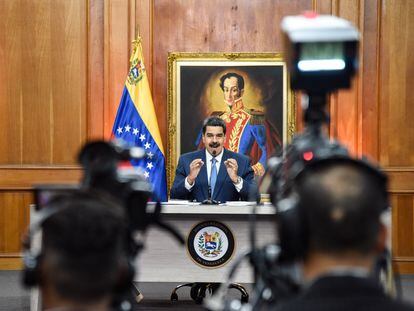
{"points": [[164, 260]]}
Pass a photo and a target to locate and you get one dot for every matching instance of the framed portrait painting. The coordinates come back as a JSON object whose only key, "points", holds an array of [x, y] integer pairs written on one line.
{"points": [[249, 91]]}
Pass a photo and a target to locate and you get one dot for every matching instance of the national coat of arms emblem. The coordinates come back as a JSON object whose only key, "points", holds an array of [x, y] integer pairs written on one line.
{"points": [[136, 71], [210, 244]]}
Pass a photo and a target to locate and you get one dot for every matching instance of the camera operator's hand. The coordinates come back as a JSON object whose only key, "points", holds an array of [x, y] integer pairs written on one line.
{"points": [[232, 167], [195, 167]]}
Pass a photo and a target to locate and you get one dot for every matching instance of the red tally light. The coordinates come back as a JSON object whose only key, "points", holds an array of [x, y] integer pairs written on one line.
{"points": [[307, 156], [310, 14]]}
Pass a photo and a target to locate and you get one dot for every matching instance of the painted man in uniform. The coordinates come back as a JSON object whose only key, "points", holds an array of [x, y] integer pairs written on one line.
{"points": [[248, 131]]}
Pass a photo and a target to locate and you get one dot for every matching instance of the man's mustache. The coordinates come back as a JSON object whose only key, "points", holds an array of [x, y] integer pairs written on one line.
{"points": [[214, 145]]}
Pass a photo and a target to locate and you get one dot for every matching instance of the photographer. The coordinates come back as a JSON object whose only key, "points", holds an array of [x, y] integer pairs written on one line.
{"points": [[83, 253], [340, 203]]}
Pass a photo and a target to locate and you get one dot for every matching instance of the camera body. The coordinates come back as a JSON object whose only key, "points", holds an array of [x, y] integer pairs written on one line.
{"points": [[101, 161], [321, 52]]}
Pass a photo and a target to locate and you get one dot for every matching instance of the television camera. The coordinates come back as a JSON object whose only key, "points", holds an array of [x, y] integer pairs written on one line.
{"points": [[105, 176], [322, 56]]}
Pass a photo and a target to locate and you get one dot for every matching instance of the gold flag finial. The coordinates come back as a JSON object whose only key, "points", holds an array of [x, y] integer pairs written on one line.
{"points": [[136, 42]]}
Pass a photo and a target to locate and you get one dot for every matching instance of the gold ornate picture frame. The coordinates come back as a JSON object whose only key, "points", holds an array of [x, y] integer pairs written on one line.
{"points": [[194, 93]]}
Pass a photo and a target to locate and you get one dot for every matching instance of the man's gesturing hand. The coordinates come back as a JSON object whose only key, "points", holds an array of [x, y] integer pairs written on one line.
{"points": [[195, 167], [231, 166]]}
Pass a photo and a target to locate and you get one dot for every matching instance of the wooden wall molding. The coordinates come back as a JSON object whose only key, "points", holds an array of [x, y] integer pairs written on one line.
{"points": [[11, 261], [401, 179], [23, 178], [403, 265]]}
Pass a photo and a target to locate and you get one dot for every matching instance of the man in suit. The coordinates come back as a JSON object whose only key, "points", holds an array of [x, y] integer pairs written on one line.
{"points": [[249, 131], [213, 173], [341, 204]]}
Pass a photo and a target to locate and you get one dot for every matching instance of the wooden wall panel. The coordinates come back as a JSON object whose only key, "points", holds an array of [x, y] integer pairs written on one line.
{"points": [[213, 26], [144, 22], [37, 107], [14, 219], [13, 207], [344, 106], [95, 122], [117, 48], [403, 230], [43, 105], [395, 127], [396, 76], [368, 125], [10, 83], [45, 63], [68, 104]]}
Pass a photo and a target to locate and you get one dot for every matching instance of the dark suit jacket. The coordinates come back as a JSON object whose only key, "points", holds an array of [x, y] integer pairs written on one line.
{"points": [[344, 293], [224, 189]]}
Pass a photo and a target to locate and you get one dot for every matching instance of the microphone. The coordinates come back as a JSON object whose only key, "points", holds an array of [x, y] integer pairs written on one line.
{"points": [[209, 201]]}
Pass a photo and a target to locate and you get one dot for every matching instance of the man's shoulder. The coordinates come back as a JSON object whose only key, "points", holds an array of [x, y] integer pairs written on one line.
{"points": [[339, 304], [342, 294]]}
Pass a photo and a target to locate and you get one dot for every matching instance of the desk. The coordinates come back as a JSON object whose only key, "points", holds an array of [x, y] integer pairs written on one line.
{"points": [[164, 260]]}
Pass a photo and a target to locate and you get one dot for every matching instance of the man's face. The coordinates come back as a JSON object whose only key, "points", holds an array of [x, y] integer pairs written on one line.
{"points": [[213, 139], [231, 91]]}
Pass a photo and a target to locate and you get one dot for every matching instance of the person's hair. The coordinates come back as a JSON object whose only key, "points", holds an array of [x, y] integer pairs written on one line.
{"points": [[84, 246], [240, 80], [214, 121], [342, 203]]}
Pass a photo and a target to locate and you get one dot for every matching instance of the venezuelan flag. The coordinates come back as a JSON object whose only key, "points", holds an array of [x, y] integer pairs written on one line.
{"points": [[136, 123]]}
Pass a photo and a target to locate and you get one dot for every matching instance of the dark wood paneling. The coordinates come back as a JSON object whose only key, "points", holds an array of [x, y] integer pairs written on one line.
{"points": [[368, 125], [14, 219], [395, 127], [396, 75], [403, 226], [213, 26]]}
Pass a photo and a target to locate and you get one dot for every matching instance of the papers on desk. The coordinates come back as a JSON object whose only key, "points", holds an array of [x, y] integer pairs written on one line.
{"points": [[180, 202], [238, 203], [231, 207]]}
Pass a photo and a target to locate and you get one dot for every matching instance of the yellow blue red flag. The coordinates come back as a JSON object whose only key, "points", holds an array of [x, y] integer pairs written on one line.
{"points": [[136, 123]]}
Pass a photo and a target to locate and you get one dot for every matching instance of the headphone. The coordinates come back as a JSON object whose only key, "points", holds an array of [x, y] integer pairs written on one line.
{"points": [[32, 252], [306, 153], [32, 248]]}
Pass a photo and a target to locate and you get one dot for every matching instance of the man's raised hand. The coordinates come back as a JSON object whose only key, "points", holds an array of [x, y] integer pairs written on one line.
{"points": [[195, 167]]}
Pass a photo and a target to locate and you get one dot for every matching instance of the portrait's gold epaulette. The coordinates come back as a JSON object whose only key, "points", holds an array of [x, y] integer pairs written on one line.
{"points": [[257, 117]]}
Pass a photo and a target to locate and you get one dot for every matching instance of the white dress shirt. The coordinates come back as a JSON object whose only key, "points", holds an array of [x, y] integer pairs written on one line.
{"points": [[238, 185]]}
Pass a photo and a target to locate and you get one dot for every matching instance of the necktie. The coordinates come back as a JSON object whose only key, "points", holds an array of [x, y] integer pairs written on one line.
{"points": [[213, 175]]}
